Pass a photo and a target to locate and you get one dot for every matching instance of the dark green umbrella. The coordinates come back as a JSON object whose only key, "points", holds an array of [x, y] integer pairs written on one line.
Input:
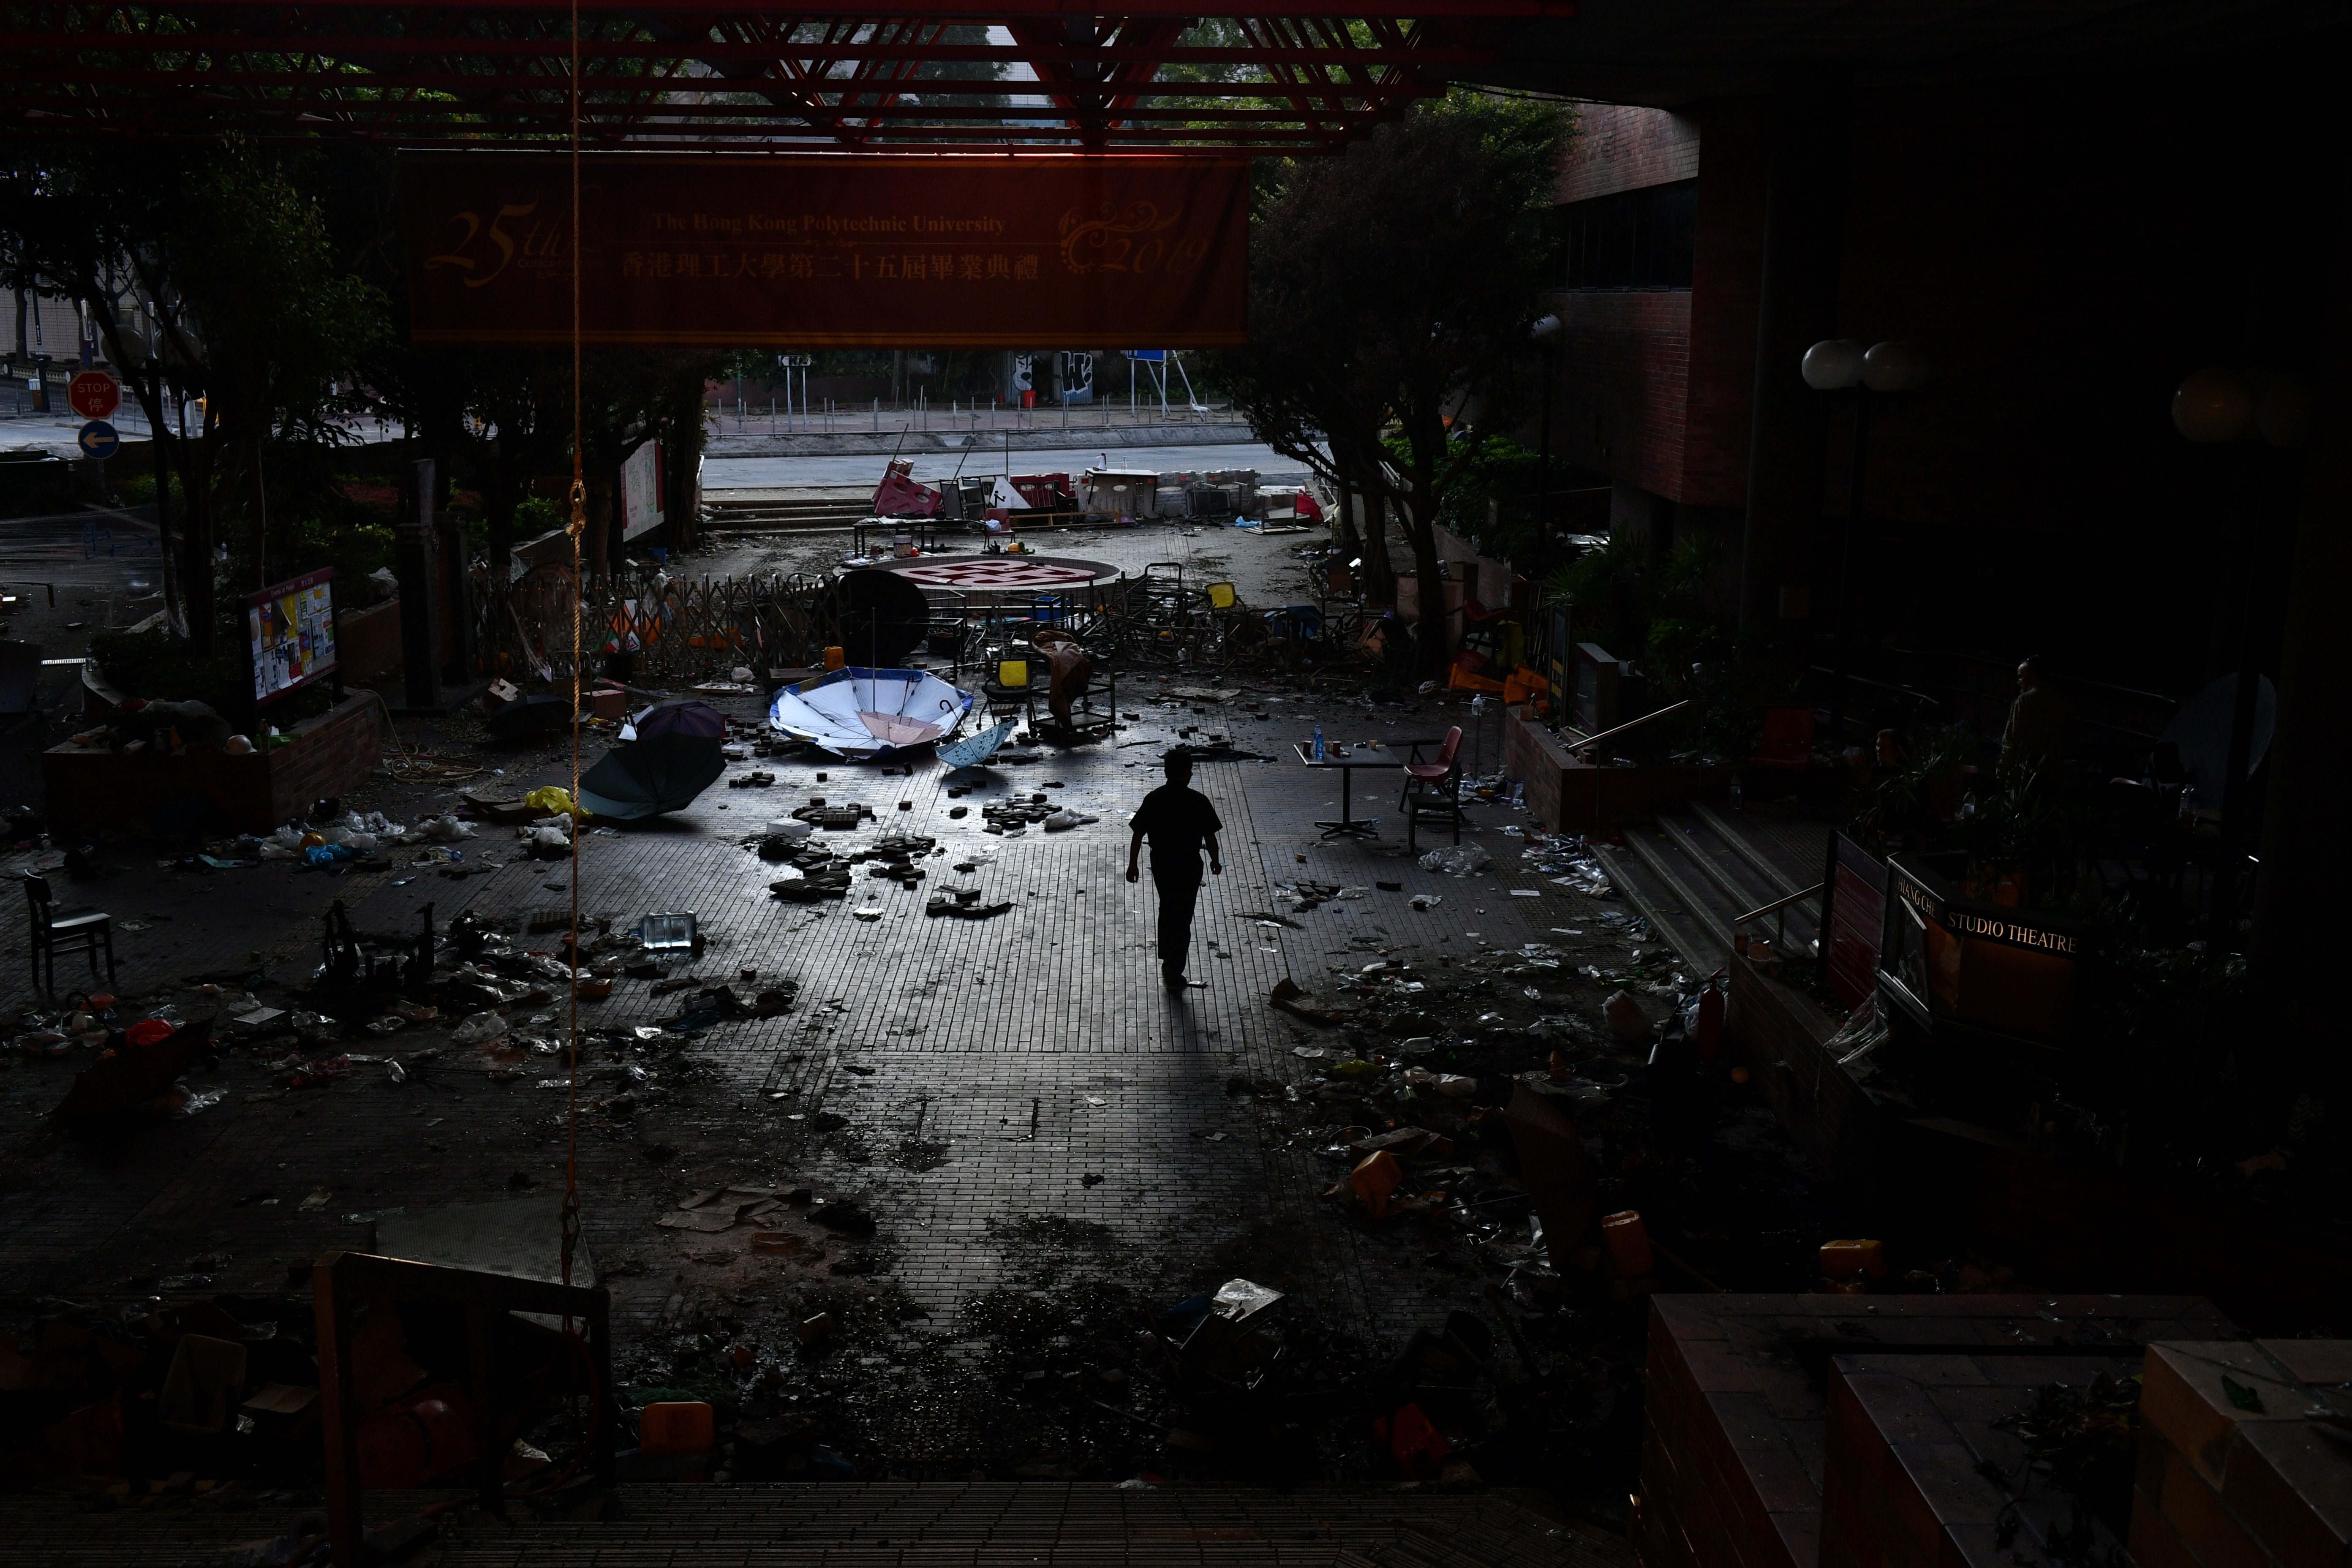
{"points": [[674, 756]]}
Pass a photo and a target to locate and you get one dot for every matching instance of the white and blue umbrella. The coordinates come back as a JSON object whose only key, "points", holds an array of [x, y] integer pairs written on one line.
{"points": [[867, 713]]}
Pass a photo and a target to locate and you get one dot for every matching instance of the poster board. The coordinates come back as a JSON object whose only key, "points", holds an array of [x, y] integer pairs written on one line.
{"points": [[641, 491], [290, 634]]}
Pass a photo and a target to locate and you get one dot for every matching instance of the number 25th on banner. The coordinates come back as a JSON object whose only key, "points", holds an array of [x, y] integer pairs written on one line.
{"points": [[809, 252], [540, 242]]}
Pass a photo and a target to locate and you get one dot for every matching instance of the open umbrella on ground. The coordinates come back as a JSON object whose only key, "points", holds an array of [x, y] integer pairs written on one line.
{"points": [[674, 756], [862, 713]]}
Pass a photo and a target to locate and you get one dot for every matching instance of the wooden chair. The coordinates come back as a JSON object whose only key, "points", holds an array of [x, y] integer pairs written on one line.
{"points": [[1432, 788], [73, 931]]}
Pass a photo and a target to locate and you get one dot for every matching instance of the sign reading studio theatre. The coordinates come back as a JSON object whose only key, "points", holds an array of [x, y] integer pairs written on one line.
{"points": [[1965, 970], [811, 252]]}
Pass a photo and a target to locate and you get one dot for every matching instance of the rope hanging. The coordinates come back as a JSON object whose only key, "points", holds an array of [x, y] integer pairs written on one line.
{"points": [[579, 526]]}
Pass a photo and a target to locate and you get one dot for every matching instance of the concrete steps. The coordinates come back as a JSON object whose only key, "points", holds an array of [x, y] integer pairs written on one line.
{"points": [[784, 511], [900, 1525], [1697, 866]]}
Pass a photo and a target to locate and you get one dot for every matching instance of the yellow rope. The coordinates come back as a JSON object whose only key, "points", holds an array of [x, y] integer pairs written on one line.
{"points": [[579, 524]]}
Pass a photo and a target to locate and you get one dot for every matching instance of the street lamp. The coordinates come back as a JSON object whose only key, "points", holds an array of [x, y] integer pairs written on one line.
{"points": [[1841, 365], [1546, 332]]}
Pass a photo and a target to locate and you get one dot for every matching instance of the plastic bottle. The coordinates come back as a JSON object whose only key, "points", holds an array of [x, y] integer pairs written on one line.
{"points": [[1735, 792], [1318, 742]]}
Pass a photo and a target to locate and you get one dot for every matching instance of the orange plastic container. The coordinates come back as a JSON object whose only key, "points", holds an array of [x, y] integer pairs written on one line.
{"points": [[834, 658], [1629, 1243], [680, 1427], [1374, 1179]]}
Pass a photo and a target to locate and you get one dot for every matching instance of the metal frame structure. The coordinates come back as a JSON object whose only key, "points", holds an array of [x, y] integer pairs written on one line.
{"points": [[341, 1280], [932, 76]]}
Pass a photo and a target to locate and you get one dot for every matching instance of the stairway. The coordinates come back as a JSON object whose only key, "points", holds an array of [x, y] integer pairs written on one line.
{"points": [[784, 511], [1700, 865], [897, 1525]]}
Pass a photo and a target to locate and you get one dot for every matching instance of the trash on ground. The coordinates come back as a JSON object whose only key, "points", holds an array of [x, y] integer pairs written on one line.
{"points": [[1457, 860]]}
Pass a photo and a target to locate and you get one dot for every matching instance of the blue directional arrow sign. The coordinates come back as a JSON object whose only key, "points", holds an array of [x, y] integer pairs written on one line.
{"points": [[98, 439]]}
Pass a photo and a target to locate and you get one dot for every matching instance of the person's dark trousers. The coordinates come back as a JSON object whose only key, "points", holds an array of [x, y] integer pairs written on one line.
{"points": [[1178, 894]]}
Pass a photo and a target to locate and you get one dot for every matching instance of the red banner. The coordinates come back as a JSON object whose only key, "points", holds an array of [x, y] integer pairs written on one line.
{"points": [[816, 252]]}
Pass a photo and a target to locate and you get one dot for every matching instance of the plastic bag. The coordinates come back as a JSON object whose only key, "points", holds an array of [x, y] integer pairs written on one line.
{"points": [[553, 797], [445, 829], [1452, 1085], [1457, 860], [481, 1028], [1626, 1017]]}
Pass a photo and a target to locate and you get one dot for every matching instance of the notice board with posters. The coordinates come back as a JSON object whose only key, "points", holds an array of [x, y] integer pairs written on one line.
{"points": [[953, 250], [291, 630]]}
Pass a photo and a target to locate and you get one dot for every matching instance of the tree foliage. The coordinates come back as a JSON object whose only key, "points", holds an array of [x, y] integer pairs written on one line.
{"points": [[276, 280], [1390, 292], [257, 325]]}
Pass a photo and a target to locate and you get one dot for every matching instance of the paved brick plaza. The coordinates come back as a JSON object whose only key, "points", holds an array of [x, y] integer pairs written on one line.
{"points": [[1051, 1145], [969, 1035]]}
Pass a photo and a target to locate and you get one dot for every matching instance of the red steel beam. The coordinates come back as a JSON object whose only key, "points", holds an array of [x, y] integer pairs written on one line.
{"points": [[1004, 11], [558, 45]]}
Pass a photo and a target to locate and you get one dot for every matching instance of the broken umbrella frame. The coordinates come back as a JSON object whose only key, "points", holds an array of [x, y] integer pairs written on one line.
{"points": [[341, 1279]]}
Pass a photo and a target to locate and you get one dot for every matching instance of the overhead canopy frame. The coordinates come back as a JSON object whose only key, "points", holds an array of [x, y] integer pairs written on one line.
{"points": [[1005, 75]]}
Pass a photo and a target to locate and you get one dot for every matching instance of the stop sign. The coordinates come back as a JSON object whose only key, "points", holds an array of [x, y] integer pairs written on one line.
{"points": [[93, 394]]}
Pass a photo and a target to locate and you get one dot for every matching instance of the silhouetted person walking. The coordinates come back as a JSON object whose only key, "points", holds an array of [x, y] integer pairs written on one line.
{"points": [[1178, 820]]}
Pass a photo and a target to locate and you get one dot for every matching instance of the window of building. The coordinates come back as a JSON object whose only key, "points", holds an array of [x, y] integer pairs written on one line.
{"points": [[1633, 240]]}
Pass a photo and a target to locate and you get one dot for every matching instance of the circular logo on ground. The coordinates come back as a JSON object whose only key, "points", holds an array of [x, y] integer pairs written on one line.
{"points": [[993, 573]]}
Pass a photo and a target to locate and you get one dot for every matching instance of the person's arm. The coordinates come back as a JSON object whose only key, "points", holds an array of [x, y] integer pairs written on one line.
{"points": [[1216, 861], [1134, 848]]}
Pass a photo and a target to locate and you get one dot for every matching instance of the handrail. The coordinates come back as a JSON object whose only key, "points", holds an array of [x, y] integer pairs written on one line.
{"points": [[342, 1278], [1776, 904], [1613, 734]]}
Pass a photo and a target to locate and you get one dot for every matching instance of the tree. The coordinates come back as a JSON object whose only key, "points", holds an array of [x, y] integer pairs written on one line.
{"points": [[256, 323], [1391, 292]]}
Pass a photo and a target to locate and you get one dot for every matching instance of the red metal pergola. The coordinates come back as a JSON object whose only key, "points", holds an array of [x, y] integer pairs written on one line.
{"points": [[1010, 75]]}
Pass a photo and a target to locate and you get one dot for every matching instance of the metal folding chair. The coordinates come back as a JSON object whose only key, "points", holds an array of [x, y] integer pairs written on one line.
{"points": [[69, 931], [1012, 691]]}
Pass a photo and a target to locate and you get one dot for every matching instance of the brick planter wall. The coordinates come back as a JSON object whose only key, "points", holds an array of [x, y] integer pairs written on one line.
{"points": [[367, 642], [1735, 1406], [1561, 789], [2091, 1227], [1916, 1474], [89, 790], [1777, 1033], [2218, 1484]]}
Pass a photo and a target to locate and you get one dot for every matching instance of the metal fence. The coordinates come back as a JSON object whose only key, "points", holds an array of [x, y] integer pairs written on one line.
{"points": [[682, 630], [674, 628]]}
